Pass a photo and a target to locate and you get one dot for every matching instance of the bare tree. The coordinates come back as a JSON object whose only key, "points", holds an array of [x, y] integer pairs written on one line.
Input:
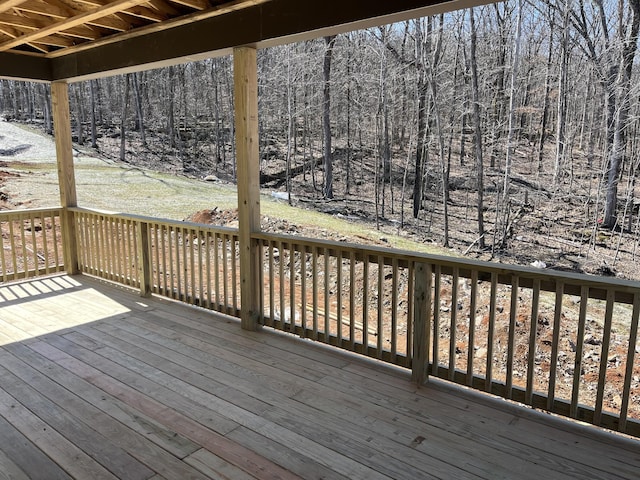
{"points": [[477, 127], [326, 117]]}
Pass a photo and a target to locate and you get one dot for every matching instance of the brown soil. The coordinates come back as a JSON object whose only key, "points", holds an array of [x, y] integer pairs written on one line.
{"points": [[593, 338]]}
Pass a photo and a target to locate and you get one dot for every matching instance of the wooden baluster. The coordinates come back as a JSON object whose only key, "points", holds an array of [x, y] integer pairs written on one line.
{"points": [[436, 321], [233, 242], [207, 256], [339, 297], [453, 325], [380, 308], [365, 305], [225, 274], [327, 296], [314, 276], [25, 260], [472, 327], [156, 259], [54, 236], [491, 333], [34, 245], [165, 237], [577, 369], [410, 313], [604, 356], [3, 260], [292, 287], [513, 315], [144, 265], [553, 370], [628, 375], [533, 334], [272, 299], [352, 300], [303, 290], [395, 274]]}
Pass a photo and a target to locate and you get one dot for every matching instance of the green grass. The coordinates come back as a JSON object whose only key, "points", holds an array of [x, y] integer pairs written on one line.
{"points": [[119, 187], [304, 217]]}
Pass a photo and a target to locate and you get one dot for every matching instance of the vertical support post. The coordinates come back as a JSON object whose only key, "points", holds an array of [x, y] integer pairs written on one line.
{"points": [[245, 72], [421, 323], [144, 258], [66, 175]]}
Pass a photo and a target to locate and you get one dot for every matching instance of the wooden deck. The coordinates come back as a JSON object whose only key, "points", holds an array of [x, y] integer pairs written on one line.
{"points": [[96, 382]]}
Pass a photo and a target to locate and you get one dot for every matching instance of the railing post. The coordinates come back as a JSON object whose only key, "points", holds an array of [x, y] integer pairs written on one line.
{"points": [[66, 175], [144, 258], [246, 119], [421, 323]]}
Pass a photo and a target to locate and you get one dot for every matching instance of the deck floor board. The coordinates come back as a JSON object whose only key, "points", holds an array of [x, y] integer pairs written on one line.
{"points": [[96, 382]]}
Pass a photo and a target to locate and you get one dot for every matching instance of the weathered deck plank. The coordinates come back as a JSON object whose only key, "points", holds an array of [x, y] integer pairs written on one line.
{"points": [[96, 381]]}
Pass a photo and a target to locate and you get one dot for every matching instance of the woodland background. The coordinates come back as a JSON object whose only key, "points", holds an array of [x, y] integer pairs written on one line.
{"points": [[509, 131]]}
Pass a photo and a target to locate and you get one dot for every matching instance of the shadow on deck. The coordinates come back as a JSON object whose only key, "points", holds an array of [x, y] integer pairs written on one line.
{"points": [[96, 382]]}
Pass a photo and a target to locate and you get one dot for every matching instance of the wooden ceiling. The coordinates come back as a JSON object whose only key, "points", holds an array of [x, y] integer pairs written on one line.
{"points": [[52, 40], [58, 27]]}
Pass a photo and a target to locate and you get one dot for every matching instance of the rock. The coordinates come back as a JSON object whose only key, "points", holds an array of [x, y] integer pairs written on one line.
{"points": [[280, 195], [211, 178], [591, 340], [481, 352]]}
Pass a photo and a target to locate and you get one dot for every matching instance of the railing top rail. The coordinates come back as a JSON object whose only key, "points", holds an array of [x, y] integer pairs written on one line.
{"points": [[501, 270], [23, 211], [145, 219]]}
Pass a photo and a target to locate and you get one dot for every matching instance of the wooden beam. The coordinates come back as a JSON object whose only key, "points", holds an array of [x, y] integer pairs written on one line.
{"points": [[74, 21], [9, 4], [245, 71], [218, 30], [66, 175], [195, 4], [30, 67]]}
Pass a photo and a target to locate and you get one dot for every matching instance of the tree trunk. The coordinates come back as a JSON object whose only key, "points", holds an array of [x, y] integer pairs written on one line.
{"points": [[326, 117], [171, 120], [422, 91], [562, 98], [547, 91], [79, 114], [475, 98], [94, 133], [623, 91], [123, 118], [512, 106], [139, 111]]}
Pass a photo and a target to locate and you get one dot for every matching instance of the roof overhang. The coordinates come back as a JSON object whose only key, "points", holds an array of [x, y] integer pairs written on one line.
{"points": [[262, 23]]}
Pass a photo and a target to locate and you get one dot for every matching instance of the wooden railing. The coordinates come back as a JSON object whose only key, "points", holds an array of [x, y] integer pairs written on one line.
{"points": [[31, 242], [561, 342], [192, 263]]}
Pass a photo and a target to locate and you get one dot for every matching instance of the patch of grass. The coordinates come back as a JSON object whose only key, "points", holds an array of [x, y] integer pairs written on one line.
{"points": [[122, 188], [304, 217]]}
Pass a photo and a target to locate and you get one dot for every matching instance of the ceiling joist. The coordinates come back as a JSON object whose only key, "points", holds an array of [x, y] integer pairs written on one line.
{"points": [[71, 40], [80, 19]]}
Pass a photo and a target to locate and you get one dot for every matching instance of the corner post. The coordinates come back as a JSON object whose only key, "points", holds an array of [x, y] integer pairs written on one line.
{"points": [[245, 74], [66, 174], [421, 323]]}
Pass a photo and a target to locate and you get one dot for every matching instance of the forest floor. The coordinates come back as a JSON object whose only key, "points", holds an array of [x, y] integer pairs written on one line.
{"points": [[543, 226]]}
